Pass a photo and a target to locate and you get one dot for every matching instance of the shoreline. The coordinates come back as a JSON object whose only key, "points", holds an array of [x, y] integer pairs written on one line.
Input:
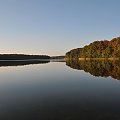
{"points": [[12, 60], [99, 58]]}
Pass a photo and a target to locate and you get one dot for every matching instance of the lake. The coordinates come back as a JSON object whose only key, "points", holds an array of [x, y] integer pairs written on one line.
{"points": [[81, 90]]}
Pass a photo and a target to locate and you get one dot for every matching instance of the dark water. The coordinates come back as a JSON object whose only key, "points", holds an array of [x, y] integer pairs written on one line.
{"points": [[56, 91]]}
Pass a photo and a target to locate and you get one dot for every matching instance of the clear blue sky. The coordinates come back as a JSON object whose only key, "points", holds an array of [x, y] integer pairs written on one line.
{"points": [[54, 27]]}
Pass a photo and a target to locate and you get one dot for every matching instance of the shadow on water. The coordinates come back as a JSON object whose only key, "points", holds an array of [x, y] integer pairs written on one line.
{"points": [[5, 63], [97, 67]]}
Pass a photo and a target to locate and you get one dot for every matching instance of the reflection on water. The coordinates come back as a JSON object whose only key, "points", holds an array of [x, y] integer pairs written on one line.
{"points": [[97, 67], [21, 62], [55, 92]]}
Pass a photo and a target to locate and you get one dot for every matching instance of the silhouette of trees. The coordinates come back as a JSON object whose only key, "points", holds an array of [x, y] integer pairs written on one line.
{"points": [[97, 49], [22, 57]]}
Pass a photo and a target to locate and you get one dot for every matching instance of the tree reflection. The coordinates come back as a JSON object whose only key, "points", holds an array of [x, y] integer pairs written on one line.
{"points": [[21, 62], [97, 67]]}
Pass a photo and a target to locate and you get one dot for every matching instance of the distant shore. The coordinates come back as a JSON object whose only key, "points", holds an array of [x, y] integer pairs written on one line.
{"points": [[99, 58], [15, 57]]}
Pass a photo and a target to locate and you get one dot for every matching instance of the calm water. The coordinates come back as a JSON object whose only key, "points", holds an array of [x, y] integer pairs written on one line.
{"points": [[56, 91]]}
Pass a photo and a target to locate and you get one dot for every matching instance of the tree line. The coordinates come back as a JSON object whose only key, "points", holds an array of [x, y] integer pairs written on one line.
{"points": [[97, 49], [22, 57]]}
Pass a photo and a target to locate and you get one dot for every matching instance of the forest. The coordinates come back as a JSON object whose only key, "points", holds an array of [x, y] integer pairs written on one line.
{"points": [[97, 49], [22, 57]]}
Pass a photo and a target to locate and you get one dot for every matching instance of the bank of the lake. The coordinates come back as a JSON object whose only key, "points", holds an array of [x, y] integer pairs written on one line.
{"points": [[99, 58], [22, 57]]}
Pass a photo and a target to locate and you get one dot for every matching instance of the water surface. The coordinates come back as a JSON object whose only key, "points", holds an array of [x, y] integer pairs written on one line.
{"points": [[56, 91]]}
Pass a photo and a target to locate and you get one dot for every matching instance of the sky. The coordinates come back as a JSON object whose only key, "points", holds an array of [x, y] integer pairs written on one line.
{"points": [[53, 27]]}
